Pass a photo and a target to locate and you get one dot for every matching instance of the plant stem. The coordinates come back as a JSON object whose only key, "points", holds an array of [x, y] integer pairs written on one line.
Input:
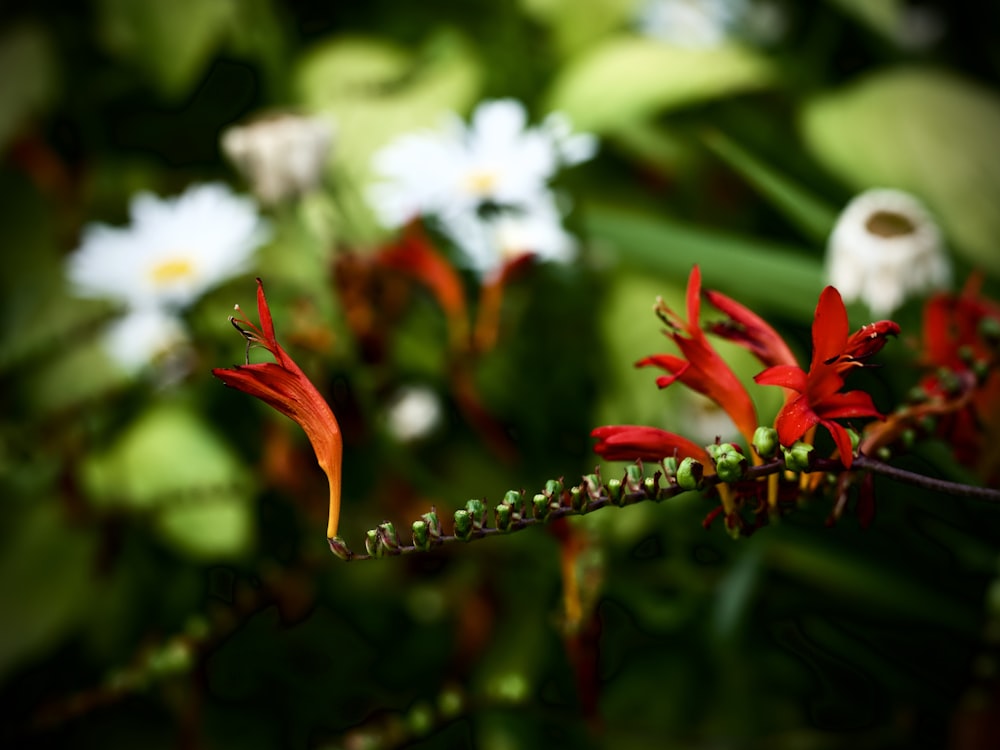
{"points": [[601, 497]]}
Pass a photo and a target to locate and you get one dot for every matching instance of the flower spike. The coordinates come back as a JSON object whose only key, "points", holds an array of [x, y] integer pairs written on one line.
{"points": [[283, 386]]}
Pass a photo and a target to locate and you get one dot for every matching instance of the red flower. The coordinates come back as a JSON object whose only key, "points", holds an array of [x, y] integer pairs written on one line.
{"points": [[702, 369], [749, 330], [284, 387], [415, 256], [630, 442], [820, 400]]}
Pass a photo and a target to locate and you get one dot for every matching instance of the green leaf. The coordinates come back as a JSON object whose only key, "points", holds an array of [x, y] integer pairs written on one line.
{"points": [[170, 40], [760, 274], [628, 78], [46, 578], [26, 50], [924, 131], [883, 16], [375, 90], [811, 215], [171, 465], [572, 30]]}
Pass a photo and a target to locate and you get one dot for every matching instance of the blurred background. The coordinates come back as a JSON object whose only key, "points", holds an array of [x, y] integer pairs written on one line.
{"points": [[164, 579]]}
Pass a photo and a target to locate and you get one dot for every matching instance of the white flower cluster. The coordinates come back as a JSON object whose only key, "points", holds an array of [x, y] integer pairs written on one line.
{"points": [[173, 251], [884, 248], [701, 24], [282, 155], [486, 184]]}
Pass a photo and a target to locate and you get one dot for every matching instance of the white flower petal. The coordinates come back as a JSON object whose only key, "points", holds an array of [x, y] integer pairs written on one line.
{"points": [[143, 337], [884, 248]]}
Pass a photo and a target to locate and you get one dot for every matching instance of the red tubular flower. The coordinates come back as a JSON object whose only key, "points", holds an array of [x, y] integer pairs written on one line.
{"points": [[414, 255], [820, 400], [283, 386], [630, 442], [702, 369]]}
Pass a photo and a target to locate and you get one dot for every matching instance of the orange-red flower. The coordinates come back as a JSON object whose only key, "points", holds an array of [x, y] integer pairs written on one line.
{"points": [[701, 368], [283, 386], [630, 442], [820, 400]]}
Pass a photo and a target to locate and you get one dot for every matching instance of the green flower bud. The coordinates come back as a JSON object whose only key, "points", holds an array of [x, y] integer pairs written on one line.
{"points": [[433, 525], [690, 474], [477, 511], [578, 499], [633, 477], [515, 501], [651, 485], [372, 547], [797, 457], [463, 525], [420, 719], [765, 441], [593, 485], [554, 489], [540, 507], [670, 467], [615, 491], [502, 514], [339, 548], [730, 463], [451, 702], [421, 536], [387, 537], [855, 439]]}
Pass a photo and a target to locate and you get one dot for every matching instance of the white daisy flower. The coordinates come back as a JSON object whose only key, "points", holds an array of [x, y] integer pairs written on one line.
{"points": [[174, 250], [144, 336], [491, 240], [690, 23], [486, 184], [886, 247], [281, 156], [702, 24]]}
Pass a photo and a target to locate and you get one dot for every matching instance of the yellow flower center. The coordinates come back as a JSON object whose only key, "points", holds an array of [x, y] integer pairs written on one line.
{"points": [[170, 271], [889, 224], [481, 183]]}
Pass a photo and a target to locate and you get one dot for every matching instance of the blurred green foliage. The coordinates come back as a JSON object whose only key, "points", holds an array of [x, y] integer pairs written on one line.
{"points": [[163, 577]]}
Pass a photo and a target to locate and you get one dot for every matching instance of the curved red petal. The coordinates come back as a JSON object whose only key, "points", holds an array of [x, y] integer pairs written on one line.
{"points": [[631, 442], [794, 419], [694, 300], [786, 376], [830, 327], [842, 440], [850, 404], [750, 331]]}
